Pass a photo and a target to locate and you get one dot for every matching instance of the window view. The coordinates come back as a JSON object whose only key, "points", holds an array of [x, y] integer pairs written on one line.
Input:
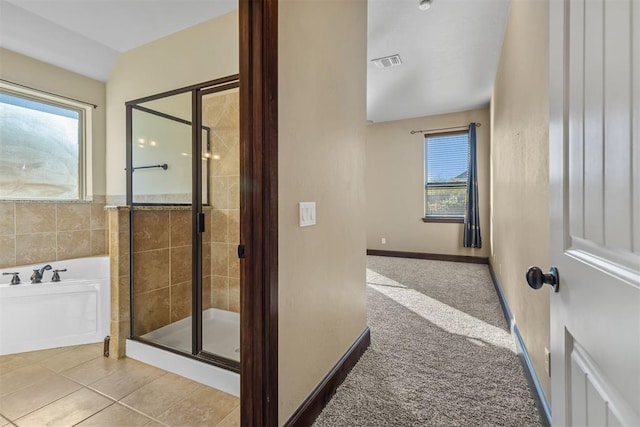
{"points": [[445, 171], [41, 147]]}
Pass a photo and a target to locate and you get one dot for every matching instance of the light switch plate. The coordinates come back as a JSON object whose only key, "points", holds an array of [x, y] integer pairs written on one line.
{"points": [[307, 214]]}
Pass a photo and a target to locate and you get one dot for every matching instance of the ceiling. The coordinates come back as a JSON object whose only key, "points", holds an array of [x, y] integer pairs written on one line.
{"points": [[88, 36], [449, 53], [449, 56]]}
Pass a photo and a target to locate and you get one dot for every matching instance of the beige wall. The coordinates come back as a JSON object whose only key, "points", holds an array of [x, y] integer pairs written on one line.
{"points": [[321, 151], [198, 54], [520, 172], [395, 187], [35, 232]]}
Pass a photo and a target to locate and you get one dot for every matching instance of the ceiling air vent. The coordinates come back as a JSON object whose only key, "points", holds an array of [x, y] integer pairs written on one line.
{"points": [[387, 61]]}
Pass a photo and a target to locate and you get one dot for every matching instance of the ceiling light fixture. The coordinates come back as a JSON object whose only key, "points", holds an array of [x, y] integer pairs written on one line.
{"points": [[424, 4]]}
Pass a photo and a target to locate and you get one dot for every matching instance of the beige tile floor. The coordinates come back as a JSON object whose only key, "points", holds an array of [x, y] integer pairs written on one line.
{"points": [[77, 386]]}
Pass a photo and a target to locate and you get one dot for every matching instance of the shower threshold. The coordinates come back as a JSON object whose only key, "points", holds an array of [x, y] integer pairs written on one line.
{"points": [[221, 336]]}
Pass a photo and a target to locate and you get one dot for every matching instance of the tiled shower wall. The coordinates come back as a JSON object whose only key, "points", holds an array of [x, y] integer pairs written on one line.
{"points": [[221, 114], [162, 266], [37, 232]]}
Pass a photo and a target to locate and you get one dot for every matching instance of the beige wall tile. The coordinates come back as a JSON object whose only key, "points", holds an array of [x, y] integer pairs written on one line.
{"points": [[118, 220], [119, 333], [220, 188], [234, 226], [234, 192], [74, 244], [220, 292], [124, 262], [219, 226], [219, 150], [73, 216], [7, 218], [150, 270], [206, 259], [150, 230], [119, 242], [120, 298], [151, 310], [98, 242], [181, 264], [219, 259], [34, 248], [98, 216], [181, 301], [7, 251], [234, 295], [206, 292], [234, 261], [181, 231], [35, 218]]}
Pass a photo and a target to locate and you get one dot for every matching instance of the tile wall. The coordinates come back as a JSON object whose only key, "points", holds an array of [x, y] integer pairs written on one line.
{"points": [[37, 232], [162, 264], [119, 274]]}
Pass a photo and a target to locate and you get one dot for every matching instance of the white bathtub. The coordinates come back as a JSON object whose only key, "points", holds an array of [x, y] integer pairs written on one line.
{"points": [[55, 314]]}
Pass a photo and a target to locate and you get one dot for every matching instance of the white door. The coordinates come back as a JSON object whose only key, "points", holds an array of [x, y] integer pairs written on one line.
{"points": [[595, 211]]}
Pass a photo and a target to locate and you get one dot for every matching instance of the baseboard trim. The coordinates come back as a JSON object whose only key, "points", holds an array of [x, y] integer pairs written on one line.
{"points": [[309, 410], [544, 409], [436, 257]]}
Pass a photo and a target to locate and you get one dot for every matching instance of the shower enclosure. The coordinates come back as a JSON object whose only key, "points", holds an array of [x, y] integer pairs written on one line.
{"points": [[183, 196]]}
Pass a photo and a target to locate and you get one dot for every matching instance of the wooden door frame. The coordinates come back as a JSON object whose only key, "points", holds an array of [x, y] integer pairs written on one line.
{"points": [[258, 23]]}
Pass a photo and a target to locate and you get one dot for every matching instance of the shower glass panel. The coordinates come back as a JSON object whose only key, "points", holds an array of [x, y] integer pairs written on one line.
{"points": [[220, 316], [183, 192], [162, 230]]}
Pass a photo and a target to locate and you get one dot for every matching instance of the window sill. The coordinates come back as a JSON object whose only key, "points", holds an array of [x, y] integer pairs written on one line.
{"points": [[444, 219]]}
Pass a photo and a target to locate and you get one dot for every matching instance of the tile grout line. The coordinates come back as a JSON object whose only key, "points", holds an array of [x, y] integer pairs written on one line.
{"points": [[95, 413]]}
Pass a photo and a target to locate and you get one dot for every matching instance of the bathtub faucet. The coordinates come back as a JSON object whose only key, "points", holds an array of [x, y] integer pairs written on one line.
{"points": [[36, 277]]}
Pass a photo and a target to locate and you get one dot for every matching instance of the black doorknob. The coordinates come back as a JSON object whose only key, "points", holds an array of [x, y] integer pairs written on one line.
{"points": [[536, 278]]}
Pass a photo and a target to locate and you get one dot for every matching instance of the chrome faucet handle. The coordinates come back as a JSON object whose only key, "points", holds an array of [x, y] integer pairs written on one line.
{"points": [[56, 276], [15, 280]]}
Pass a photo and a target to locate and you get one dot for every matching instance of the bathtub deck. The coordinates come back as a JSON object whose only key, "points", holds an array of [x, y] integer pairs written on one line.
{"points": [[77, 386]]}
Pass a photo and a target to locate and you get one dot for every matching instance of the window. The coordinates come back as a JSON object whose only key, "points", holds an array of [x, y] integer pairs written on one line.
{"points": [[445, 170], [44, 141]]}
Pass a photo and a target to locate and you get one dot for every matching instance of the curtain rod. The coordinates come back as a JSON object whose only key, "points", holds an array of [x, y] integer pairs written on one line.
{"points": [[442, 129], [49, 93]]}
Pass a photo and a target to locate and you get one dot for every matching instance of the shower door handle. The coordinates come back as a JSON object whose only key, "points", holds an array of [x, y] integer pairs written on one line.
{"points": [[201, 222]]}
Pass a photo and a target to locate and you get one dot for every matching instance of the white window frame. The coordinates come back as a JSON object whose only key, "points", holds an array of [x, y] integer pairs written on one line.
{"points": [[433, 217], [85, 148]]}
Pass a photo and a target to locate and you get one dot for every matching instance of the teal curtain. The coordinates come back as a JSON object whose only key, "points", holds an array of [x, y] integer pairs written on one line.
{"points": [[471, 235]]}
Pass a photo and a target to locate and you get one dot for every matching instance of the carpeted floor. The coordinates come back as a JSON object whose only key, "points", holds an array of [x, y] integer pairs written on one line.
{"points": [[440, 354]]}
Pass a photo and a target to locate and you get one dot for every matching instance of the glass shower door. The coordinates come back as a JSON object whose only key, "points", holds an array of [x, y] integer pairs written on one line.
{"points": [[221, 266], [161, 213]]}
